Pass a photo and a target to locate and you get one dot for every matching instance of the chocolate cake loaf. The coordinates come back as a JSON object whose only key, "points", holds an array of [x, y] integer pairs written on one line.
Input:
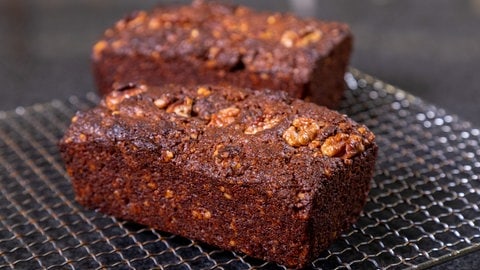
{"points": [[205, 43], [253, 171]]}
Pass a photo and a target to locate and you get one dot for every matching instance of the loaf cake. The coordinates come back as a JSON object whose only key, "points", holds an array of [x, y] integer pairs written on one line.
{"points": [[258, 172], [211, 43]]}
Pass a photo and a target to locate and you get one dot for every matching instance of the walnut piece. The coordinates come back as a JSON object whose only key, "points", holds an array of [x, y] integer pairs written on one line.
{"points": [[369, 137], [203, 91], [98, 48], [224, 117], [354, 146], [291, 38], [334, 145], [201, 213], [309, 37], [140, 18], [167, 156], [169, 194], [184, 109], [288, 38], [117, 97], [161, 102], [301, 132], [268, 123], [343, 145]]}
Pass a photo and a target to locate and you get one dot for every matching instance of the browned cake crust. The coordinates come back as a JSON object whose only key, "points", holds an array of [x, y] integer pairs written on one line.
{"points": [[253, 171], [207, 42]]}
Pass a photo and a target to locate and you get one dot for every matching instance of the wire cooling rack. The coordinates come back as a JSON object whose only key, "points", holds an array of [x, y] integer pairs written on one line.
{"points": [[422, 208]]}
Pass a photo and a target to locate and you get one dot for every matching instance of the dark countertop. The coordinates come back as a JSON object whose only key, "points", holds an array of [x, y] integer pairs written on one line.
{"points": [[429, 48]]}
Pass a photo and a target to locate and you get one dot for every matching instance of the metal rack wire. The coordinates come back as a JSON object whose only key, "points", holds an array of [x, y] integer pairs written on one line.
{"points": [[422, 208]]}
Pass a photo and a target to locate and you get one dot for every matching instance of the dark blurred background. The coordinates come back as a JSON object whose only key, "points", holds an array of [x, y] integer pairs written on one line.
{"points": [[430, 48]]}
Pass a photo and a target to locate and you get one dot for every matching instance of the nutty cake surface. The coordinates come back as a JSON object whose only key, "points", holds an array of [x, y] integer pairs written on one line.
{"points": [[253, 171], [207, 42]]}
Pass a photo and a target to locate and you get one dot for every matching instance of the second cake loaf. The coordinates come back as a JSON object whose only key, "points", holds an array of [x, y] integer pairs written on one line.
{"points": [[253, 171], [205, 43]]}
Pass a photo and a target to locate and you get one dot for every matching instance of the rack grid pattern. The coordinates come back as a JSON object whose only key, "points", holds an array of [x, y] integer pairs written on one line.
{"points": [[422, 208]]}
